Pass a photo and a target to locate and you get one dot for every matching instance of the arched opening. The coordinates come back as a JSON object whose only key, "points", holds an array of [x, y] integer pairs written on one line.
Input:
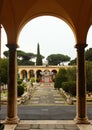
{"points": [[3, 41], [88, 62], [52, 34], [24, 75], [38, 73], [54, 73], [31, 74], [73, 16], [88, 39], [48, 39]]}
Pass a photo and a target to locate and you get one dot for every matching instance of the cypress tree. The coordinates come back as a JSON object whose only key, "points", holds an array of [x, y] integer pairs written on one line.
{"points": [[39, 57]]}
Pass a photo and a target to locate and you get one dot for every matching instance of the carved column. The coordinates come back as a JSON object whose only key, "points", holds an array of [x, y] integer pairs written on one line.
{"points": [[81, 111], [12, 86]]}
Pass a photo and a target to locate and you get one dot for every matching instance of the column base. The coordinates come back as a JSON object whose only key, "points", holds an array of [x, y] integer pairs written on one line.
{"points": [[81, 120], [14, 120], [1, 126]]}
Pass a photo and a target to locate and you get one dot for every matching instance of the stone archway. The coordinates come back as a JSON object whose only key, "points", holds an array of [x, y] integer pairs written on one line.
{"points": [[16, 16]]}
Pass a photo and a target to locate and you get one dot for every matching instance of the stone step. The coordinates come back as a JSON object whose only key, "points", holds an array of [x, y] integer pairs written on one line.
{"points": [[46, 127]]}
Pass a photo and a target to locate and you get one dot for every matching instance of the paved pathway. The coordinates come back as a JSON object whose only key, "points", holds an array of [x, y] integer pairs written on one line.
{"points": [[45, 104], [46, 95]]}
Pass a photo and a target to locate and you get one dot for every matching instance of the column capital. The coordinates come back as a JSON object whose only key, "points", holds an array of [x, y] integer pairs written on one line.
{"points": [[12, 46], [81, 45]]}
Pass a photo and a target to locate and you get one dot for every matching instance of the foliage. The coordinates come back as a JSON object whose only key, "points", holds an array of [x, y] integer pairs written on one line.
{"points": [[20, 89], [72, 62], [37, 80], [32, 80], [4, 70], [25, 62], [88, 57], [24, 55], [23, 58], [66, 79], [19, 81], [89, 75], [88, 54], [39, 57], [55, 59], [89, 86], [60, 77], [71, 74], [69, 87]]}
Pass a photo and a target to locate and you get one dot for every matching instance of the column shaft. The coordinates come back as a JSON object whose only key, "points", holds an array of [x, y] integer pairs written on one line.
{"points": [[12, 86], [81, 114]]}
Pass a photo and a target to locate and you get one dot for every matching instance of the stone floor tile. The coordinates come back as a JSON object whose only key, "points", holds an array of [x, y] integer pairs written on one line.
{"points": [[85, 127], [34, 129], [43, 126], [9, 127], [22, 127], [35, 126], [51, 126], [59, 126], [71, 127]]}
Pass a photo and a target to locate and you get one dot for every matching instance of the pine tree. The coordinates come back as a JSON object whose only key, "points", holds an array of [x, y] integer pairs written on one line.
{"points": [[39, 57]]}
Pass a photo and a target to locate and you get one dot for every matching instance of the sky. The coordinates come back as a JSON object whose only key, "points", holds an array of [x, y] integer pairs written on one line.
{"points": [[53, 35]]}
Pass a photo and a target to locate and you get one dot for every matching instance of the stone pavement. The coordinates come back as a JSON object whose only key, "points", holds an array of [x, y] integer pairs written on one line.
{"points": [[46, 127], [48, 123], [47, 99], [46, 95]]}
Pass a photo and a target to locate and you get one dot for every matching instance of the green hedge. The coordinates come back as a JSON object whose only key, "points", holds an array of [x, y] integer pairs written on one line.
{"points": [[69, 87], [89, 86], [60, 77], [20, 90]]}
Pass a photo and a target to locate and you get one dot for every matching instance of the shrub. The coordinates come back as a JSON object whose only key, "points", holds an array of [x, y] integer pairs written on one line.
{"points": [[60, 77], [19, 81], [38, 80], [69, 87], [89, 86], [20, 90], [32, 80]]}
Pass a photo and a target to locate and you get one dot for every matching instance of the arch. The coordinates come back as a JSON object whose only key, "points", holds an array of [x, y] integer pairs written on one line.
{"points": [[38, 73], [15, 18], [54, 73], [35, 35], [88, 37], [52, 15], [24, 74], [3, 39], [31, 73]]}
